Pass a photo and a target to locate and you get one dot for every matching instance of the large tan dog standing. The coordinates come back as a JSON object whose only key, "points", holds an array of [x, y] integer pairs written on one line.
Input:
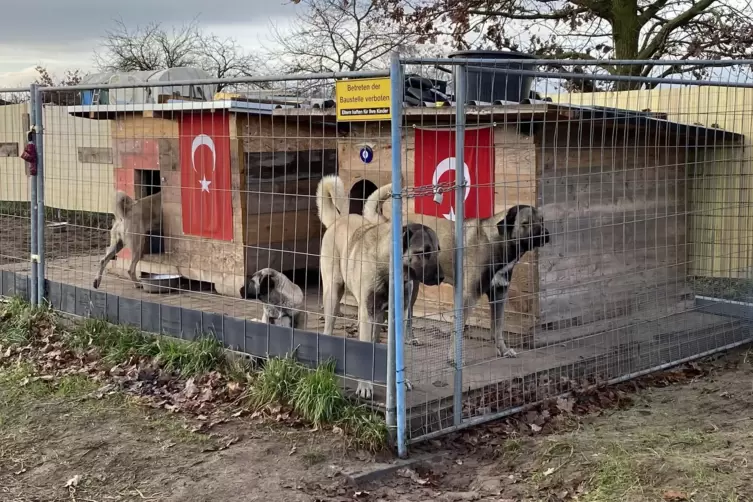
{"points": [[133, 219], [355, 255], [493, 246]]}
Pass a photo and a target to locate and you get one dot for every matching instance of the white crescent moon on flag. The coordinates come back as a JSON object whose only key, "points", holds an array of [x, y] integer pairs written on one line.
{"points": [[203, 140], [448, 165]]}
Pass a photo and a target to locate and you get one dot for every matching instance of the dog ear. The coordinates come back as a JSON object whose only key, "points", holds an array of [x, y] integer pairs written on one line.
{"points": [[265, 285], [408, 231], [407, 234], [506, 225]]}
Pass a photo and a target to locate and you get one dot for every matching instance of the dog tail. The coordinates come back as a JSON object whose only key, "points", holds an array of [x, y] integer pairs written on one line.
{"points": [[331, 200], [373, 207], [123, 205]]}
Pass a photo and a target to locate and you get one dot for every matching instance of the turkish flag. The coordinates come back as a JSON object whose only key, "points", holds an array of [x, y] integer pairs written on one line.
{"points": [[207, 202], [435, 163]]}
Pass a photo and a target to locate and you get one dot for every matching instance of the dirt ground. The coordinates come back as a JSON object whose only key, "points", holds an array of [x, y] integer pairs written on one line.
{"points": [[687, 435], [74, 240]]}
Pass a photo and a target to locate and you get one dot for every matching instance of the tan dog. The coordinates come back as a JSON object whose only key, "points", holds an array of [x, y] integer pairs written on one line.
{"points": [[282, 298], [355, 255], [493, 246], [133, 219]]}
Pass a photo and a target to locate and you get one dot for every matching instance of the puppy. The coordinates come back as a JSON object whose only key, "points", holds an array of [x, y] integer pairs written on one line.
{"points": [[355, 255], [282, 299], [493, 246], [133, 219]]}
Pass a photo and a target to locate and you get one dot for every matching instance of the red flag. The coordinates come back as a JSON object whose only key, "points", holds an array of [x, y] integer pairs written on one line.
{"points": [[435, 163], [205, 175]]}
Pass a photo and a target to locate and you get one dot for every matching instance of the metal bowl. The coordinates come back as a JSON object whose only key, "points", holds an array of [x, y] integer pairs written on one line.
{"points": [[160, 283]]}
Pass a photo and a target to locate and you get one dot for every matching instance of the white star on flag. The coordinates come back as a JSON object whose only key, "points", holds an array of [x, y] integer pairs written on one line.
{"points": [[204, 182]]}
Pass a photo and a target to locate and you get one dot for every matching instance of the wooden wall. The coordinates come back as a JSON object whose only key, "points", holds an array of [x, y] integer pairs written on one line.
{"points": [[616, 206], [723, 183], [721, 191], [145, 142], [282, 161]]}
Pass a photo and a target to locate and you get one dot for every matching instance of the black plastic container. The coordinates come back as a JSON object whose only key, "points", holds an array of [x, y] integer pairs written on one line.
{"points": [[490, 82]]}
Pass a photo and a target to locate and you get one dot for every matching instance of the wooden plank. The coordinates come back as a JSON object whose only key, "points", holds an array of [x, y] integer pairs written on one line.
{"points": [[138, 127], [8, 149], [169, 154], [265, 229], [95, 155]]}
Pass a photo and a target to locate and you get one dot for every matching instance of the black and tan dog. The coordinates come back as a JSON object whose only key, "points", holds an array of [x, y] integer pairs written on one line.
{"points": [[133, 219], [355, 255], [493, 246], [282, 299]]}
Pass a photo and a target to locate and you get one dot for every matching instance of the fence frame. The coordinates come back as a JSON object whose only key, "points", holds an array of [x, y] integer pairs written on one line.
{"points": [[396, 406], [462, 64]]}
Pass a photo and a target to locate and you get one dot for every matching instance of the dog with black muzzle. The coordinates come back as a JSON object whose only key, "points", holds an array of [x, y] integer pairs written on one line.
{"points": [[282, 299], [355, 255], [493, 246]]}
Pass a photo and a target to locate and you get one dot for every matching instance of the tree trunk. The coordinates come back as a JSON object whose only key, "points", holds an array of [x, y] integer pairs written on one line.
{"points": [[626, 32]]}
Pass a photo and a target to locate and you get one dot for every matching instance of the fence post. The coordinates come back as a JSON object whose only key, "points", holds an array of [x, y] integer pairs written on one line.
{"points": [[39, 128], [396, 108], [460, 182], [33, 255]]}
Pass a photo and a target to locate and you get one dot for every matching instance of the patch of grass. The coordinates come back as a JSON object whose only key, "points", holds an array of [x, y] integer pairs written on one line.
{"points": [[18, 320], [366, 429], [317, 396], [275, 383], [115, 343], [21, 381], [193, 358], [119, 343]]}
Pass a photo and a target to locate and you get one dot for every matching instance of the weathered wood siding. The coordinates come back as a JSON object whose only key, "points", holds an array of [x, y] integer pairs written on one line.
{"points": [[616, 207]]}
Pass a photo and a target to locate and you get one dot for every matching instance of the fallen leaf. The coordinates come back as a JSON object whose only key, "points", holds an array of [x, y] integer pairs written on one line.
{"points": [[337, 430], [675, 496], [535, 428], [292, 451], [190, 390], [361, 494], [549, 471], [73, 482], [237, 414], [565, 405]]}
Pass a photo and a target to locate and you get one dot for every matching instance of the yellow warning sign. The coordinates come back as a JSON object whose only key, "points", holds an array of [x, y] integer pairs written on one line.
{"points": [[363, 99]]}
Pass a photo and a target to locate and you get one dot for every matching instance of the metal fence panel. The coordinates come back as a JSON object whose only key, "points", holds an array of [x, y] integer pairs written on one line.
{"points": [[605, 233], [218, 188], [17, 195]]}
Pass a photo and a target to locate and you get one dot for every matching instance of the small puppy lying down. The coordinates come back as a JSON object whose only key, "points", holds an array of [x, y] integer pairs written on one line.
{"points": [[282, 298]]}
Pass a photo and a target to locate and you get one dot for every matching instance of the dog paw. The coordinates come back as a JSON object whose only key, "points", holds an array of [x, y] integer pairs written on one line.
{"points": [[365, 390], [408, 385], [414, 342], [506, 353]]}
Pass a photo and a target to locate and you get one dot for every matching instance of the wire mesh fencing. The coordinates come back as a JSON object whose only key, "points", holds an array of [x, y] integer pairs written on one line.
{"points": [[605, 234], [15, 196], [186, 211], [601, 235]]}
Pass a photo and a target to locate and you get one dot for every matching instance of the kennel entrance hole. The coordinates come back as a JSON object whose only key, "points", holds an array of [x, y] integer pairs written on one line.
{"points": [[146, 182], [359, 192]]}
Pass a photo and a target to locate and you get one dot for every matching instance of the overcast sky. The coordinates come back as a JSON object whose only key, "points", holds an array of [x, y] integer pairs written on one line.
{"points": [[62, 34]]}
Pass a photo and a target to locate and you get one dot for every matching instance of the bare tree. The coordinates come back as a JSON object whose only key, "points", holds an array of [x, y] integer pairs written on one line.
{"points": [[154, 47], [715, 30], [338, 35]]}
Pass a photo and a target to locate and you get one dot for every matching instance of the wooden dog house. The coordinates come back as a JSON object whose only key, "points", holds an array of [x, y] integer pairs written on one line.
{"points": [[237, 185], [614, 186]]}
